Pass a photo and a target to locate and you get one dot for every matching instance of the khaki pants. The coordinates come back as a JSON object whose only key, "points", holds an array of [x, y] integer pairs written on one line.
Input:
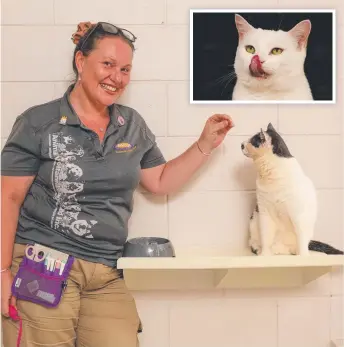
{"points": [[96, 310]]}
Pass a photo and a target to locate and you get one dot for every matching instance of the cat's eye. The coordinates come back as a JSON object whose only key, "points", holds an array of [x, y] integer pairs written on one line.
{"points": [[276, 51], [250, 49]]}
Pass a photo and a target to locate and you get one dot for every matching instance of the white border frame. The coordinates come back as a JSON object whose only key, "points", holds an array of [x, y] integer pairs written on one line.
{"points": [[237, 10]]}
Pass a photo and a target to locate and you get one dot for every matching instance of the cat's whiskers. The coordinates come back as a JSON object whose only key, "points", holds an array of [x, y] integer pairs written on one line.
{"points": [[231, 77], [226, 78]]}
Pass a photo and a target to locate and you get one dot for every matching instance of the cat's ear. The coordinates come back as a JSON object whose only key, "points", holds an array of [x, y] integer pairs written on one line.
{"points": [[242, 25], [270, 127], [262, 135], [301, 33]]}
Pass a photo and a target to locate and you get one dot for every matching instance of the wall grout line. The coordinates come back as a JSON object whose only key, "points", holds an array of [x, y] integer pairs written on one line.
{"points": [[165, 12], [169, 323], [167, 110], [54, 16], [277, 322]]}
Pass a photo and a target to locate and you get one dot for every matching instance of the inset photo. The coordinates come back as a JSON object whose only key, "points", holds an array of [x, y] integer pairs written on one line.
{"points": [[262, 56]]}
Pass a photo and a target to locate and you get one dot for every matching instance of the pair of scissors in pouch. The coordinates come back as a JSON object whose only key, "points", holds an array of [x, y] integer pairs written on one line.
{"points": [[36, 254]]}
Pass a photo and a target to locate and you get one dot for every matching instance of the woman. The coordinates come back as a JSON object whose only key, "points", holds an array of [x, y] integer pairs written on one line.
{"points": [[69, 170]]}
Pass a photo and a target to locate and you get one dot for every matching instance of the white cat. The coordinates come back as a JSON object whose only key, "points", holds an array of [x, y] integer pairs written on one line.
{"points": [[286, 211], [269, 64]]}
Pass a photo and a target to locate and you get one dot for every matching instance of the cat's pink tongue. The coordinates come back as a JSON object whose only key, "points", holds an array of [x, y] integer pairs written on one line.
{"points": [[256, 67]]}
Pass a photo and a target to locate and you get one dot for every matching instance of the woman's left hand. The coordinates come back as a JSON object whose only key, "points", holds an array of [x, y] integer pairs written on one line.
{"points": [[214, 132]]}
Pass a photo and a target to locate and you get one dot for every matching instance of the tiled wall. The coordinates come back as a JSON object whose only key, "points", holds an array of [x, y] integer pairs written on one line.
{"points": [[210, 214]]}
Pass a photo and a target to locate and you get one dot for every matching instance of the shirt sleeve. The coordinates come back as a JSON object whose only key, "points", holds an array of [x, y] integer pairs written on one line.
{"points": [[21, 153], [153, 156]]}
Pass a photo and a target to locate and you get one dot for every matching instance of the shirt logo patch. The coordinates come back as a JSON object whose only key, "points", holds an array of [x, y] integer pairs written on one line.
{"points": [[63, 120], [121, 120], [124, 147]]}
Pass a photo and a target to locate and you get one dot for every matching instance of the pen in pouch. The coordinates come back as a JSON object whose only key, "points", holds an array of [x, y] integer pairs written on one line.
{"points": [[46, 268], [52, 264], [63, 263], [57, 267]]}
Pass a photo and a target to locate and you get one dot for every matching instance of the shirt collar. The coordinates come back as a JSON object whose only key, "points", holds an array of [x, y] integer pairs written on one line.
{"points": [[68, 115]]}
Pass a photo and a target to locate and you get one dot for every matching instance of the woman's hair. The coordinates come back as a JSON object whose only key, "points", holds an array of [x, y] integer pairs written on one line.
{"points": [[86, 43]]}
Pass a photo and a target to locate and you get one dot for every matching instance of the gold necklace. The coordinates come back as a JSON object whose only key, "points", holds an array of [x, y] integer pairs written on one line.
{"points": [[102, 129]]}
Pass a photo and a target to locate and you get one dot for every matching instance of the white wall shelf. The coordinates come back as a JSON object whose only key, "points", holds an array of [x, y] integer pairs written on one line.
{"points": [[184, 272], [338, 343]]}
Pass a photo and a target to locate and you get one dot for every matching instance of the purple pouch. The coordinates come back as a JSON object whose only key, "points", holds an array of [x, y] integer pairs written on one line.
{"points": [[33, 282]]}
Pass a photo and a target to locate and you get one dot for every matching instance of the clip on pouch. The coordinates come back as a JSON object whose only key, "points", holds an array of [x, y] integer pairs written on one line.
{"points": [[42, 275]]}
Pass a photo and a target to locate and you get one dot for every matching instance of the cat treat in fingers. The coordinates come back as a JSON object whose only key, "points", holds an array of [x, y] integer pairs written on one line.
{"points": [[284, 218]]}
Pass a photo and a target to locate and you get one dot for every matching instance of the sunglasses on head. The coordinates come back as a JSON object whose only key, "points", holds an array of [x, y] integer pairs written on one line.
{"points": [[110, 29]]}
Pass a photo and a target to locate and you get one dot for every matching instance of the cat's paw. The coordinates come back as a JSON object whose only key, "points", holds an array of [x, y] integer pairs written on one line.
{"points": [[256, 251], [255, 246]]}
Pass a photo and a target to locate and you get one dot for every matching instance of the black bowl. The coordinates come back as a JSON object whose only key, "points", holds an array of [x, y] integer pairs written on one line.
{"points": [[148, 247]]}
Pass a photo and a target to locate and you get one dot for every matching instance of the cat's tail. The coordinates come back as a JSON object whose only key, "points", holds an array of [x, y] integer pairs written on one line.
{"points": [[323, 248]]}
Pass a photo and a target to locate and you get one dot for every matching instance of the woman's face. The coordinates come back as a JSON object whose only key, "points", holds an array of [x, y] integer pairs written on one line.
{"points": [[105, 72]]}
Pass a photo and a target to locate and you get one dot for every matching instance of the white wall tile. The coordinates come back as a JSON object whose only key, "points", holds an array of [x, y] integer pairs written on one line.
{"points": [[221, 323], [45, 53], [337, 282], [118, 13], [178, 11], [199, 324], [3, 142], [310, 119], [23, 12], [303, 322], [150, 100], [38, 59], [321, 287], [161, 53], [60, 88], [185, 119], [337, 321], [154, 315], [329, 225], [212, 224], [149, 216], [317, 4], [320, 156], [252, 322], [211, 176], [339, 59], [18, 97]]}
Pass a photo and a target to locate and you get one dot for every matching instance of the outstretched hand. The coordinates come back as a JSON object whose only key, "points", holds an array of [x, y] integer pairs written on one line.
{"points": [[214, 132]]}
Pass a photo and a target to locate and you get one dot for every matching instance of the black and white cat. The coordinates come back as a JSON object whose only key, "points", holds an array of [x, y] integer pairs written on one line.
{"points": [[269, 64], [284, 218]]}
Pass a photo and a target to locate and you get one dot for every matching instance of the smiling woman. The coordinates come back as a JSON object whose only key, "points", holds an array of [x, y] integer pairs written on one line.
{"points": [[69, 171], [101, 77]]}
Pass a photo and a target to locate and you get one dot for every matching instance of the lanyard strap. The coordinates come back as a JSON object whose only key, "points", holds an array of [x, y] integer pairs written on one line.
{"points": [[14, 315]]}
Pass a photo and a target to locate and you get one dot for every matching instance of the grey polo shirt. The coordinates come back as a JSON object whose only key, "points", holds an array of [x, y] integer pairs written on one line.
{"points": [[82, 195]]}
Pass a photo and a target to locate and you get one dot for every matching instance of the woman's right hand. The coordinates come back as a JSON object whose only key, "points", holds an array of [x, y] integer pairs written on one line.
{"points": [[6, 293]]}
